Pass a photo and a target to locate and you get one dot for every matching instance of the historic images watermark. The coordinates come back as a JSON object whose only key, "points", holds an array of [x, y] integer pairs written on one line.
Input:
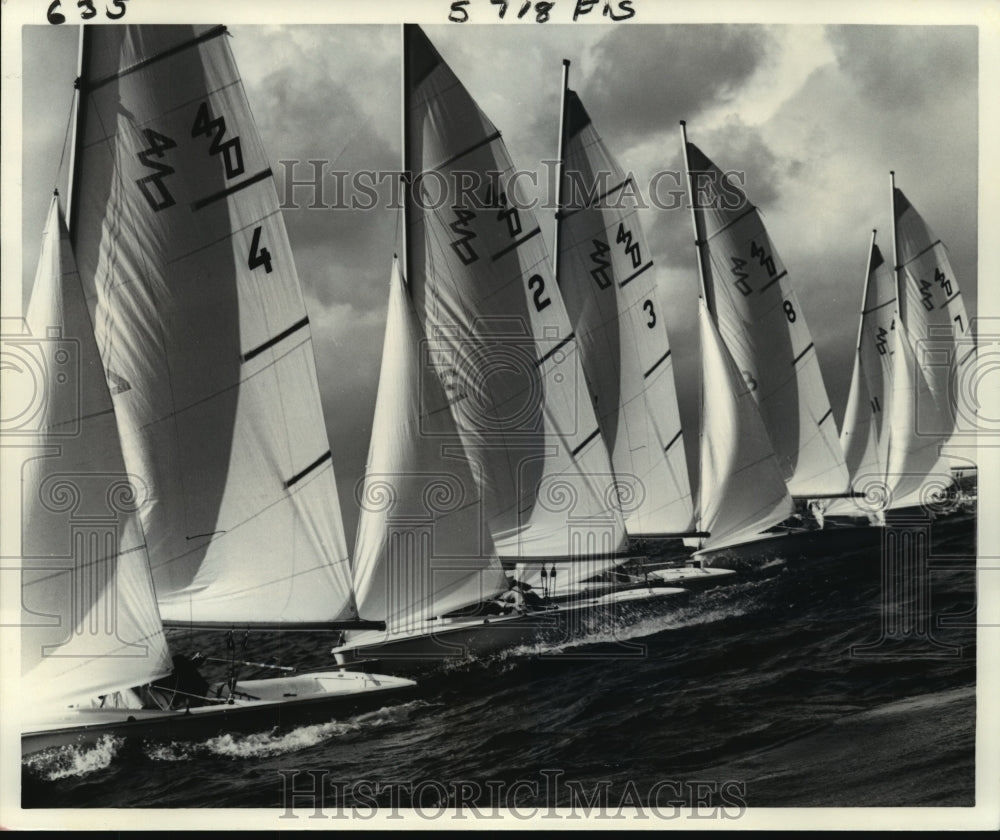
{"points": [[317, 185], [318, 795]]}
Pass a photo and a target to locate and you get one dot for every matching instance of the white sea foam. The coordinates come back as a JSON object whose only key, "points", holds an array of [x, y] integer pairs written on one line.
{"points": [[67, 762], [262, 744]]}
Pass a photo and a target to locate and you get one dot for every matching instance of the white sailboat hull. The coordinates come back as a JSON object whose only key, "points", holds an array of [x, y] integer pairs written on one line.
{"points": [[258, 705], [441, 643]]}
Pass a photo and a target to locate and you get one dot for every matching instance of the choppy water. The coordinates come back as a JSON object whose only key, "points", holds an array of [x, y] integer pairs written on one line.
{"points": [[743, 695]]}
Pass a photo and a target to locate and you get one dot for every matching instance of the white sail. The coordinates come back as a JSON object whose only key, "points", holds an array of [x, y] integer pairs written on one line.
{"points": [[203, 332], [764, 327], [422, 548], [607, 280], [934, 341], [932, 309], [89, 622], [742, 491], [915, 471], [865, 434], [483, 290]]}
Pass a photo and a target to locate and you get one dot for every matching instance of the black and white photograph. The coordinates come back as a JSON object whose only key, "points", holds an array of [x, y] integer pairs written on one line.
{"points": [[477, 414]]}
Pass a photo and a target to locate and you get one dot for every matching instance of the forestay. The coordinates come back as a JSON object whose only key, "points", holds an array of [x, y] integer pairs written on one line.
{"points": [[764, 327], [89, 622], [203, 332], [607, 279], [483, 290]]}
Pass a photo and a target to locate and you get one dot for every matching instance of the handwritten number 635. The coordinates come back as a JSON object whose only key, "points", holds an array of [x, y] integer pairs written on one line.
{"points": [[87, 11]]}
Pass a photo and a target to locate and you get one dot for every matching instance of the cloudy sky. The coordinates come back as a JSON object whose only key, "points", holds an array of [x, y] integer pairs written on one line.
{"points": [[815, 115]]}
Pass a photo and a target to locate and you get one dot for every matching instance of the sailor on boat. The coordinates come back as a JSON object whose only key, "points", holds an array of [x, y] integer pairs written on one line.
{"points": [[184, 686]]}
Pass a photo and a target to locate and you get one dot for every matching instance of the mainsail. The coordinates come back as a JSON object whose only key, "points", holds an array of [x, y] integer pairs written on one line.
{"points": [[606, 279], [89, 622], [203, 332], [934, 341], [423, 549], [759, 317], [492, 314], [865, 433]]}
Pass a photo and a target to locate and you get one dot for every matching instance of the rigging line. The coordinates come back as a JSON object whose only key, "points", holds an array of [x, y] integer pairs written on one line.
{"points": [[69, 128], [72, 565]]}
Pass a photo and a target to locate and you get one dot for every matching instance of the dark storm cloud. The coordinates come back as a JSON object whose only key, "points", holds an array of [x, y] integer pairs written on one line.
{"points": [[337, 250], [738, 149], [648, 83], [901, 67]]}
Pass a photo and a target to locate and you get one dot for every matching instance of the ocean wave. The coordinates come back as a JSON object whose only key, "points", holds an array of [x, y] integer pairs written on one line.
{"points": [[74, 761]]}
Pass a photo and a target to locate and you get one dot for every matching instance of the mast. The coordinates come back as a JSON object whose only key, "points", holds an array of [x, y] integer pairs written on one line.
{"points": [[699, 236], [864, 291], [406, 177], [699, 241], [896, 268], [73, 181], [560, 156]]}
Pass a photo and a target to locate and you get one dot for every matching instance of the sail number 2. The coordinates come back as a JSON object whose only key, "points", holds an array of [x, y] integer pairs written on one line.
{"points": [[153, 186]]}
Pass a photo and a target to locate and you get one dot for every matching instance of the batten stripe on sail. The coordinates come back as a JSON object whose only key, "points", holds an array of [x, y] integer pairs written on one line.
{"points": [[659, 362], [951, 298], [586, 440], [968, 356], [821, 419], [153, 59], [517, 243], [249, 182], [727, 225], [555, 349], [673, 440], [767, 286], [875, 308], [632, 277], [322, 459], [561, 215], [267, 345], [459, 155], [798, 358], [919, 254]]}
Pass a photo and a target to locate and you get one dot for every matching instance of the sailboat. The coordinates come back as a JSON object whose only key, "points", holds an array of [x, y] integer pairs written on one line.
{"points": [[482, 385], [94, 657], [607, 279], [865, 433], [742, 489], [933, 343], [200, 327], [914, 340], [751, 298], [484, 294]]}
